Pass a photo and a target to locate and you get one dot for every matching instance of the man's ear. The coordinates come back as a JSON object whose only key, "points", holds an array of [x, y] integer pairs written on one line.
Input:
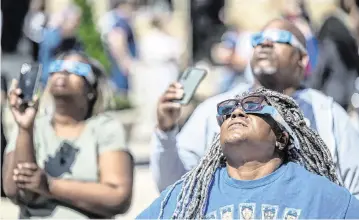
{"points": [[304, 61]]}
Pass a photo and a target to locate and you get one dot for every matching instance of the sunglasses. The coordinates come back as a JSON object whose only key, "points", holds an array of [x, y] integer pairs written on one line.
{"points": [[74, 67], [254, 105], [278, 36]]}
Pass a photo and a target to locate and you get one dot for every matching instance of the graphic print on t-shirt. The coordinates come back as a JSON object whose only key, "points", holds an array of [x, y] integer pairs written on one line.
{"points": [[227, 212], [212, 215], [269, 212], [62, 161], [247, 211], [291, 214]]}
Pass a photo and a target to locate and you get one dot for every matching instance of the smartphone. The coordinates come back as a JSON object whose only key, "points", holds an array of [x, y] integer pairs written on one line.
{"points": [[190, 80], [29, 81]]}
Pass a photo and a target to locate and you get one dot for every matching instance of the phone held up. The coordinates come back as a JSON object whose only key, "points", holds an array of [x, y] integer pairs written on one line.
{"points": [[190, 80], [29, 82]]}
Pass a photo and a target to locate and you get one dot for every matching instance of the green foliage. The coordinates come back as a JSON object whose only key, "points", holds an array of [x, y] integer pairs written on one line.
{"points": [[93, 46], [122, 103], [89, 35]]}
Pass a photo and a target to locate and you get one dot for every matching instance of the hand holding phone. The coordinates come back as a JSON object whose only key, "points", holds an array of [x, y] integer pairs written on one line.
{"points": [[178, 94], [22, 98], [190, 80]]}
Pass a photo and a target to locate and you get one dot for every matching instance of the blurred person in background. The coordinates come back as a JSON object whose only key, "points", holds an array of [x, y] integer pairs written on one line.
{"points": [[119, 40], [296, 12], [59, 36], [160, 54], [3, 138], [262, 156], [278, 63], [13, 13], [338, 61], [234, 52], [34, 25], [72, 163], [351, 7], [206, 28]]}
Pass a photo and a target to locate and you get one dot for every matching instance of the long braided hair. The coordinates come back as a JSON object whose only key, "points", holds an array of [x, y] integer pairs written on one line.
{"points": [[313, 155]]}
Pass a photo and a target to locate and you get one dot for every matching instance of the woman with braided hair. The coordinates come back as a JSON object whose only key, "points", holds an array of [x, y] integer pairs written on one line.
{"points": [[265, 163]]}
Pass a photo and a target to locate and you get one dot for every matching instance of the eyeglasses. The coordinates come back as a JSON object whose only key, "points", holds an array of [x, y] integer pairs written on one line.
{"points": [[74, 67], [254, 105], [278, 36]]}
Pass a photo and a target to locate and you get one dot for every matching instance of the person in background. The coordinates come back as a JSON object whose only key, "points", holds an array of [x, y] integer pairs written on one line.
{"points": [[119, 40], [338, 63], [73, 162], [351, 8], [206, 27], [34, 24], [13, 14], [59, 36], [233, 53], [265, 151], [278, 63], [3, 138], [159, 66], [296, 12]]}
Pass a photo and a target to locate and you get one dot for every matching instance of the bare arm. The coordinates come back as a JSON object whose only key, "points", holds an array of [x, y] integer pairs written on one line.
{"points": [[21, 148], [109, 197], [24, 152], [238, 62], [222, 54], [117, 40]]}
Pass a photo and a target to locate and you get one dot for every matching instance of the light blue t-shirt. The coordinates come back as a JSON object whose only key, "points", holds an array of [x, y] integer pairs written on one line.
{"points": [[291, 192]]}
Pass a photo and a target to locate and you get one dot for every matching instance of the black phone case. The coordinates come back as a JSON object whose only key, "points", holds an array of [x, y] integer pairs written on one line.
{"points": [[29, 81]]}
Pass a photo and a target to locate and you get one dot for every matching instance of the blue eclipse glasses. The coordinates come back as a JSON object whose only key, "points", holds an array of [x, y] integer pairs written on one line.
{"points": [[278, 36], [78, 68], [254, 105]]}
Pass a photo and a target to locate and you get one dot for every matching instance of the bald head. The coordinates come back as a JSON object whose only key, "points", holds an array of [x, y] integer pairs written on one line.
{"points": [[285, 25]]}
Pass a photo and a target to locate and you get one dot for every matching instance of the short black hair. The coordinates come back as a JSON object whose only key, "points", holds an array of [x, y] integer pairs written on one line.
{"points": [[68, 44]]}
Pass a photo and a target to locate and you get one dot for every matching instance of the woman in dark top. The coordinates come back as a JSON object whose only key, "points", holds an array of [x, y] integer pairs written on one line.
{"points": [[338, 60]]}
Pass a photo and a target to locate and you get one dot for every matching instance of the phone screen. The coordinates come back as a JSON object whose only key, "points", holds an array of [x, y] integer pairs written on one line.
{"points": [[29, 80]]}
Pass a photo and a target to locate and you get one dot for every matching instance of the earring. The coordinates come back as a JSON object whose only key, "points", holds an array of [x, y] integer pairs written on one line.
{"points": [[90, 96]]}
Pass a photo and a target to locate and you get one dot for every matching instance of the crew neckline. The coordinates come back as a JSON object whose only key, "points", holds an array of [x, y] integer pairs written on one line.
{"points": [[52, 131], [248, 184]]}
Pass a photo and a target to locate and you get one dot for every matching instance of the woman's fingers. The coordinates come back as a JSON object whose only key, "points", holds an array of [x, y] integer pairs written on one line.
{"points": [[25, 172]]}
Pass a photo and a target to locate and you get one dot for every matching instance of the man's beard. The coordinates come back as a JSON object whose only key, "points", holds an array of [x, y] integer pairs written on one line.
{"points": [[264, 71], [266, 76], [269, 82]]}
